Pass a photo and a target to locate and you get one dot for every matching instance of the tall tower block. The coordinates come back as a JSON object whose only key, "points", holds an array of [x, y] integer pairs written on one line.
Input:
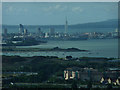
{"points": [[66, 26], [21, 29], [5, 31]]}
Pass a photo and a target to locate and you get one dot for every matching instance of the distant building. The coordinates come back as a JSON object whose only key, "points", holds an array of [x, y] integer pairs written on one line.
{"points": [[111, 76], [5, 31], [46, 35], [83, 74], [66, 26], [21, 29], [116, 30], [39, 32], [25, 31], [71, 74], [108, 80], [57, 35], [52, 32]]}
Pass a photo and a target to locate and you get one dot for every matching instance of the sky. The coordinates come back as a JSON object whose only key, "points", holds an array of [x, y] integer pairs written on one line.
{"points": [[55, 13]]}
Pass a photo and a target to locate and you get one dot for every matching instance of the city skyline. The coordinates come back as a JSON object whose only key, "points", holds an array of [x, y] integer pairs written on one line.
{"points": [[40, 13]]}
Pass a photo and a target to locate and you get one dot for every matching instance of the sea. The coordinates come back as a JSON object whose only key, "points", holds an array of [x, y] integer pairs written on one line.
{"points": [[97, 47]]}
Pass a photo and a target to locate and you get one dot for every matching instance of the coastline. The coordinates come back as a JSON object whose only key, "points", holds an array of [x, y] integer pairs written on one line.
{"points": [[55, 49]]}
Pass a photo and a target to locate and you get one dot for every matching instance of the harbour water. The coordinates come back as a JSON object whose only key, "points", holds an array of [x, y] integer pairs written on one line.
{"points": [[96, 47]]}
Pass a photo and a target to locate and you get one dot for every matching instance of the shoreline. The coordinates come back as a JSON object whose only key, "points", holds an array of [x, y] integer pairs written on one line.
{"points": [[55, 49]]}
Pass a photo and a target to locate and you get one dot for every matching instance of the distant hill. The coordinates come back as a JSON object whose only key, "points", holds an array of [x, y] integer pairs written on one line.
{"points": [[113, 23]]}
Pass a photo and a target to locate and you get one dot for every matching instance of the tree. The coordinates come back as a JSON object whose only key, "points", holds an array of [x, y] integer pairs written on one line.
{"points": [[89, 85], [74, 85], [109, 86], [68, 57]]}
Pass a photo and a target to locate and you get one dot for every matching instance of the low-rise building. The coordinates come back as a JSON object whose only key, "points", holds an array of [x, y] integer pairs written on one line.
{"points": [[82, 74], [86, 74]]}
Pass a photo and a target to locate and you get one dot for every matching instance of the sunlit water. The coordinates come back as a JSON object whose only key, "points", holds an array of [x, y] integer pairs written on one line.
{"points": [[97, 48]]}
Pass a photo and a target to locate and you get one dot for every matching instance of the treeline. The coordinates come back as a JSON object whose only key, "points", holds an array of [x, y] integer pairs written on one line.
{"points": [[49, 68]]}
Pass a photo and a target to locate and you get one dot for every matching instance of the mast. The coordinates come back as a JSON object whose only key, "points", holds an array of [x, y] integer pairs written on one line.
{"points": [[66, 26]]}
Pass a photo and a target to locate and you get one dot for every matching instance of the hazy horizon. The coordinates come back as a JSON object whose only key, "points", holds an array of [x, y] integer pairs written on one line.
{"points": [[59, 24]]}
